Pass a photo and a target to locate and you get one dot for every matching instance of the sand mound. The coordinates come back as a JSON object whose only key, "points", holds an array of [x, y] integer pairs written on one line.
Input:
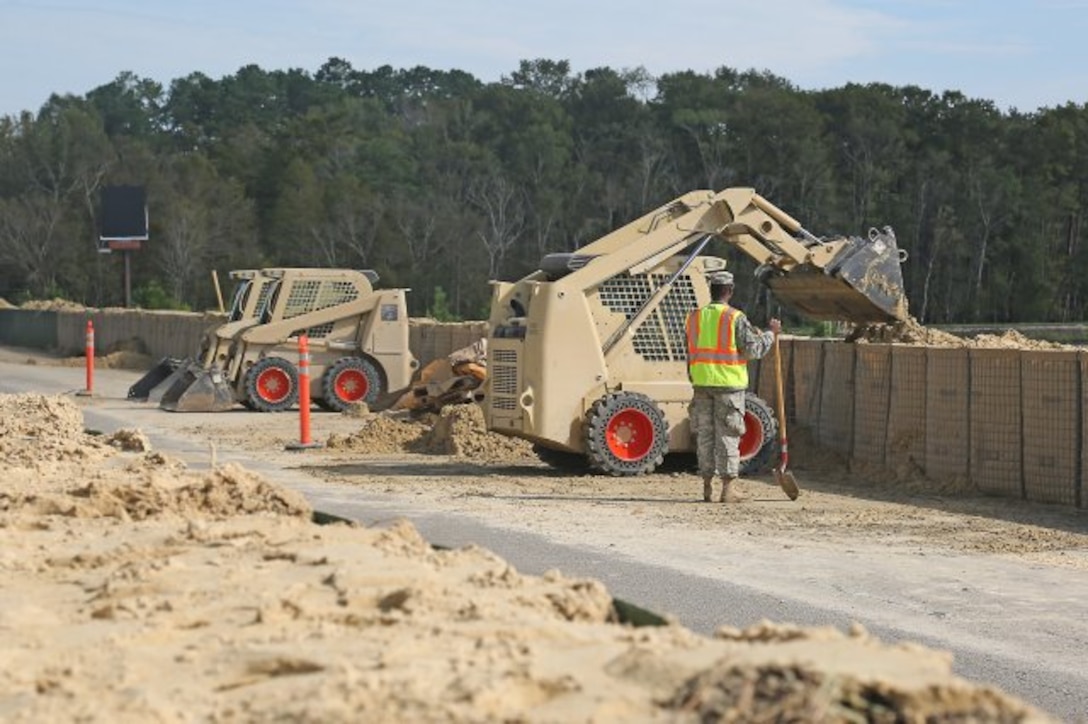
{"points": [[5, 304], [39, 430], [39, 417], [459, 430], [1012, 339], [911, 331], [379, 435], [222, 493], [129, 440], [136, 591], [54, 305]]}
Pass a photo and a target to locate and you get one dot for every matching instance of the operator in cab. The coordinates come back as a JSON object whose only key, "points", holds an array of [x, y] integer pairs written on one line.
{"points": [[721, 340]]}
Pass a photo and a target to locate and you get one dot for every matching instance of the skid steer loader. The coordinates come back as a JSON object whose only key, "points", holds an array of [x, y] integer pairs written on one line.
{"points": [[587, 356], [358, 346], [251, 290]]}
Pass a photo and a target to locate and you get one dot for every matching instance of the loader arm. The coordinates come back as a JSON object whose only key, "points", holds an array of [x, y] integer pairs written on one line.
{"points": [[844, 279], [850, 279], [280, 331]]}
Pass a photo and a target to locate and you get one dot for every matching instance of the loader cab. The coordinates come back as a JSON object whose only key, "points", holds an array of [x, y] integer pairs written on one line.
{"points": [[243, 288]]}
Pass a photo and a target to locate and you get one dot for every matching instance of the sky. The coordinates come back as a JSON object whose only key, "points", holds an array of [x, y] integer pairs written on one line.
{"points": [[1026, 55]]}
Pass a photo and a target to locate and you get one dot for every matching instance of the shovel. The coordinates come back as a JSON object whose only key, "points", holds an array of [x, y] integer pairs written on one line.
{"points": [[784, 477]]}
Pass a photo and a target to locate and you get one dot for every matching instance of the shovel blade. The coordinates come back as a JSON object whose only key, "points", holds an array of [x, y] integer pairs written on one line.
{"points": [[787, 482]]}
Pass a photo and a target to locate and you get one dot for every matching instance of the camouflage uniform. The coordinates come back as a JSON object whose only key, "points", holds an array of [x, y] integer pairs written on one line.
{"points": [[717, 413]]}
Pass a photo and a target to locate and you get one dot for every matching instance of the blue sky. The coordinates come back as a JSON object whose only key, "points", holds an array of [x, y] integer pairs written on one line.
{"points": [[1025, 54]]}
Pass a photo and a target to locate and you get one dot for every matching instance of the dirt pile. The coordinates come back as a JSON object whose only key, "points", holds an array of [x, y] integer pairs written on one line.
{"points": [[1012, 339], [458, 430], [378, 435], [779, 690], [53, 305], [38, 431], [5, 304], [132, 589], [910, 331]]}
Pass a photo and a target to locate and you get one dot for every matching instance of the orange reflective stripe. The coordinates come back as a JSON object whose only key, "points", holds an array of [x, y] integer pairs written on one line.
{"points": [[717, 358], [724, 351], [693, 330]]}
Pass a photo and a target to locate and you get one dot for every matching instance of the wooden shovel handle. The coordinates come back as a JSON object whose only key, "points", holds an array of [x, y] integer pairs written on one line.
{"points": [[780, 401]]}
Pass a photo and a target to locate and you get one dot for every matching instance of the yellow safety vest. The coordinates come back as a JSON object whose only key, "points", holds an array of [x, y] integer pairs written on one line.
{"points": [[713, 357]]}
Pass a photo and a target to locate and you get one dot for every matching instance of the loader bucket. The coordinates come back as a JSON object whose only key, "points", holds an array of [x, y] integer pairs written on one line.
{"points": [[198, 390], [862, 284], [167, 366]]}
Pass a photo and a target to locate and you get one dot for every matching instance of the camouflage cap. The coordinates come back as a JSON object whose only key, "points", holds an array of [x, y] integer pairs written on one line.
{"points": [[720, 279]]}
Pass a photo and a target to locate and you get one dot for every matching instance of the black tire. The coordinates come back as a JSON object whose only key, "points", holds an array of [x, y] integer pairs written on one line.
{"points": [[626, 434], [271, 385], [561, 459], [761, 429], [349, 381]]}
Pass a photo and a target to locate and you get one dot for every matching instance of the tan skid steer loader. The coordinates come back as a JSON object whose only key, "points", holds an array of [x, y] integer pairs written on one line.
{"points": [[587, 356], [358, 346]]}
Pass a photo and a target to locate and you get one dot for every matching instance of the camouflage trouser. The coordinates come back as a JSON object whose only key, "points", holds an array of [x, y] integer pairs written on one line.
{"points": [[717, 422]]}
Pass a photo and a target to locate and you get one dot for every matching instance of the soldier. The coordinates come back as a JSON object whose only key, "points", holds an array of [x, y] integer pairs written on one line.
{"points": [[721, 340]]}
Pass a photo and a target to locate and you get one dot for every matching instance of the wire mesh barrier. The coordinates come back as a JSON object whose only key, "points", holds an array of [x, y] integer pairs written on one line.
{"points": [[1001, 421], [835, 424], [996, 416], [872, 385], [1052, 443], [430, 340]]}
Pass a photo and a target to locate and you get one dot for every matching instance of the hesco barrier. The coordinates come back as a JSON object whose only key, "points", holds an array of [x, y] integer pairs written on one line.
{"points": [[177, 334], [36, 329], [430, 340], [158, 333], [1007, 422]]}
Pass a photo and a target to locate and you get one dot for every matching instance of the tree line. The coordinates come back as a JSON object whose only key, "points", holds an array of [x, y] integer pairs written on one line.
{"points": [[441, 182]]}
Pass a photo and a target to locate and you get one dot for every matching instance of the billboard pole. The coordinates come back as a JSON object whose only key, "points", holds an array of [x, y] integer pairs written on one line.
{"points": [[127, 254]]}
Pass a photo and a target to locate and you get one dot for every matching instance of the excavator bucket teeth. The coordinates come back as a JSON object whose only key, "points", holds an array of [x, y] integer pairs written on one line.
{"points": [[862, 284], [167, 366], [198, 390]]}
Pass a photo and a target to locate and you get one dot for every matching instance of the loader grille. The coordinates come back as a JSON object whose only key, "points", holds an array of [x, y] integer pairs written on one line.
{"points": [[318, 331], [309, 295], [504, 379], [661, 338]]}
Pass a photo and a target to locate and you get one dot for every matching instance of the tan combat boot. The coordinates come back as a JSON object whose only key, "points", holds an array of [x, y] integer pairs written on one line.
{"points": [[730, 492], [708, 489]]}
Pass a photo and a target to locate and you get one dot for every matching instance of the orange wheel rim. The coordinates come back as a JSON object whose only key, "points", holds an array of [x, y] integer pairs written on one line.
{"points": [[630, 434], [751, 442], [273, 385], [351, 385]]}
